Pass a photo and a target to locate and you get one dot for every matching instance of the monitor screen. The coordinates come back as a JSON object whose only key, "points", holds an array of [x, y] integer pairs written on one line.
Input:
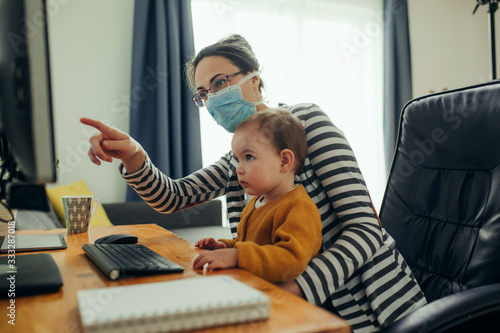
{"points": [[26, 126]]}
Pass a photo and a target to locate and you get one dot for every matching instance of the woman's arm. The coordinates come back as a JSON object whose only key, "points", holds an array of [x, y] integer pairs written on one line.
{"points": [[159, 191], [167, 195], [351, 230]]}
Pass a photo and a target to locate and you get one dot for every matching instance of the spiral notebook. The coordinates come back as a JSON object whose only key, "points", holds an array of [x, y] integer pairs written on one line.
{"points": [[172, 306]]}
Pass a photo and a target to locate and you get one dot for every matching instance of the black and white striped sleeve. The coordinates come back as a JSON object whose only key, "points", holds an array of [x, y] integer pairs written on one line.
{"points": [[167, 195], [351, 233]]}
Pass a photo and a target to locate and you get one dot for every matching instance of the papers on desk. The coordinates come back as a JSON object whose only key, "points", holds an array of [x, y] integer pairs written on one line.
{"points": [[178, 305]]}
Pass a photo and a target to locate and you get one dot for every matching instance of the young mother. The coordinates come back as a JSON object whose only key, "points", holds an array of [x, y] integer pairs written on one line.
{"points": [[359, 275]]}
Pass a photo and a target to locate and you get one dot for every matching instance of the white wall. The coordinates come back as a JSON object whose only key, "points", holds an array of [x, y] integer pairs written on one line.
{"points": [[90, 45], [450, 47]]}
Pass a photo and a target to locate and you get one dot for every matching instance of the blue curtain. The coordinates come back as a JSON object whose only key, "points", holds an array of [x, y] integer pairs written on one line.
{"points": [[163, 119], [397, 71]]}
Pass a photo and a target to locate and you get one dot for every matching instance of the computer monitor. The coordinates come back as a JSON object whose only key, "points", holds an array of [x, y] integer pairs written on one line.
{"points": [[26, 121]]}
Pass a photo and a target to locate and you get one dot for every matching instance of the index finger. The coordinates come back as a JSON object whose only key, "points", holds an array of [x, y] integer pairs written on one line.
{"points": [[99, 125]]}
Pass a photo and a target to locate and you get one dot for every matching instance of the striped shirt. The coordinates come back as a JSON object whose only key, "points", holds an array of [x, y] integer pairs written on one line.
{"points": [[360, 272]]}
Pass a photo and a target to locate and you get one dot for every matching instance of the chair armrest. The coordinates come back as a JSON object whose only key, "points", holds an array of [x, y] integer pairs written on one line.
{"points": [[480, 306]]}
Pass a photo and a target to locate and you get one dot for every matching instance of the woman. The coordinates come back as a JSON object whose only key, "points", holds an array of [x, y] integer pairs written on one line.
{"points": [[359, 275]]}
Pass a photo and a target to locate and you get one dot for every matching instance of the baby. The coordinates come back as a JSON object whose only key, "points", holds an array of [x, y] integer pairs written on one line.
{"points": [[280, 227]]}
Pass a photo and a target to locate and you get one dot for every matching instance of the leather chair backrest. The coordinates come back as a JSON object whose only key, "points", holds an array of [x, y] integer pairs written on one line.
{"points": [[442, 200]]}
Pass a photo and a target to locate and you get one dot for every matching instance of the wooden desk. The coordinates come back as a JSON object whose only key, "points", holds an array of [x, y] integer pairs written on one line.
{"points": [[58, 312]]}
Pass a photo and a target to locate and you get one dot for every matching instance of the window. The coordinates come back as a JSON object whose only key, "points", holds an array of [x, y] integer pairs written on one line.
{"points": [[327, 52]]}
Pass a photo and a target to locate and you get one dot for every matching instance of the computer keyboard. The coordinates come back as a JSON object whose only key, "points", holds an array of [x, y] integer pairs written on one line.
{"points": [[127, 260]]}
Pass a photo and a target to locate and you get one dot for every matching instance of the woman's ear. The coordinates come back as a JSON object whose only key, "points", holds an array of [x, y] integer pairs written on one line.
{"points": [[287, 160], [255, 81]]}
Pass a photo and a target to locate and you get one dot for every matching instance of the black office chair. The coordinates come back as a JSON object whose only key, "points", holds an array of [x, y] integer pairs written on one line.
{"points": [[442, 206]]}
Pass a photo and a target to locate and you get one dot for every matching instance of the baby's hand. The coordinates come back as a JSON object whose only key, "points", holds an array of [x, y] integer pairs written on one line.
{"points": [[223, 258], [209, 244]]}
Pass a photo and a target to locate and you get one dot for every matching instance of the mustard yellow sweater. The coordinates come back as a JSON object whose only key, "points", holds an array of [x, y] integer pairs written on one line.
{"points": [[276, 241]]}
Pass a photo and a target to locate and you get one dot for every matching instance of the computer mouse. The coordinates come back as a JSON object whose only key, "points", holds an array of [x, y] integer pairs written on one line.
{"points": [[117, 239]]}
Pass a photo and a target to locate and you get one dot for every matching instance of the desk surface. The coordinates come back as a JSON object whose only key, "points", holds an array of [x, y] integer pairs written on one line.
{"points": [[58, 312]]}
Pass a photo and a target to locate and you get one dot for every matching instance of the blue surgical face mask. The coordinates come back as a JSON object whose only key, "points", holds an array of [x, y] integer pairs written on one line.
{"points": [[228, 107]]}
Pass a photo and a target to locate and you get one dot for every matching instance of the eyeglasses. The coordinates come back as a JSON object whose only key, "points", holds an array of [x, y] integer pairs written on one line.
{"points": [[220, 82]]}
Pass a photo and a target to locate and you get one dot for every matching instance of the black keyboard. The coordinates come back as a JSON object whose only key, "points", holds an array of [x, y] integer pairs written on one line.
{"points": [[128, 260]]}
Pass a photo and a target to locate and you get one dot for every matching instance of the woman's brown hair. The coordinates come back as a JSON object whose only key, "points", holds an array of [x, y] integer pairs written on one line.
{"points": [[235, 48]]}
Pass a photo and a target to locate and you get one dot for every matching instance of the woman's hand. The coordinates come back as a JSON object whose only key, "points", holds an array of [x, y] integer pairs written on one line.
{"points": [[222, 258], [209, 244], [292, 287], [112, 143]]}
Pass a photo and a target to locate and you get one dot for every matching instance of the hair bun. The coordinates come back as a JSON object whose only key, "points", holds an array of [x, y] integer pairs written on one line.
{"points": [[236, 39], [235, 48]]}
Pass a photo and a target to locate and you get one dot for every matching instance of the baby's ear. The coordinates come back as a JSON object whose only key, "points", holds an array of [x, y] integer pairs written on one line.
{"points": [[287, 160]]}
